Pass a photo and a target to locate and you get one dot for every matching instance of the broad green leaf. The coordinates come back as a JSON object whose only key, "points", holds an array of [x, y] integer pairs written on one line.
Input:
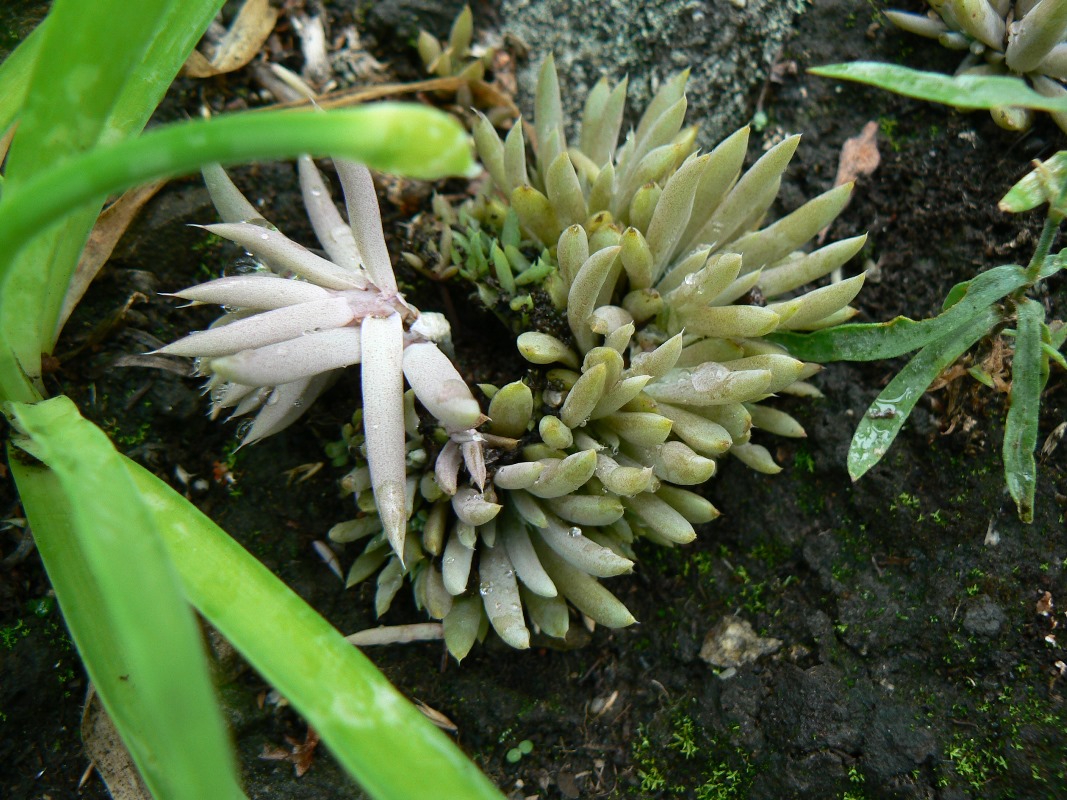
{"points": [[411, 139], [122, 602], [144, 51], [1035, 189], [1020, 428], [86, 58], [875, 341], [380, 738], [964, 91], [887, 414]]}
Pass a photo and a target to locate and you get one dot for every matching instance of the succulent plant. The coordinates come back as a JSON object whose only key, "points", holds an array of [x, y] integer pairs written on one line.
{"points": [[454, 57], [297, 318], [1025, 38], [647, 373], [650, 367]]}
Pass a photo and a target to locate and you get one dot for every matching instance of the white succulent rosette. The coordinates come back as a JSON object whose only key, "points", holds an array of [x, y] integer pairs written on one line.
{"points": [[291, 325]]}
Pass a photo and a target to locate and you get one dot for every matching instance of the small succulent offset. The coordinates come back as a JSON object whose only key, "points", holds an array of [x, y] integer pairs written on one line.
{"points": [[454, 57], [651, 367], [1023, 38]]}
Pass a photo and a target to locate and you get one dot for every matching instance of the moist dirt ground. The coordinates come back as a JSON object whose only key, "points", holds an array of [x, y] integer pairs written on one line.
{"points": [[914, 660]]}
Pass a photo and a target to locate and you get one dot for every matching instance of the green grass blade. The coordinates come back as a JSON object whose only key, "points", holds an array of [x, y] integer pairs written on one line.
{"points": [[875, 341], [86, 58], [1020, 428], [15, 75], [122, 602], [964, 91], [887, 414], [175, 34], [384, 741], [393, 137], [409, 139]]}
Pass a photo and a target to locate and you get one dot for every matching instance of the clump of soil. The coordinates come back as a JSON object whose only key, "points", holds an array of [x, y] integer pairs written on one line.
{"points": [[918, 657]]}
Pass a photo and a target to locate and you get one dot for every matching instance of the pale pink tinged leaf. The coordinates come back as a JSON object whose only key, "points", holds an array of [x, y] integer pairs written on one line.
{"points": [[331, 230], [446, 468], [440, 387], [226, 197], [282, 406], [292, 360], [283, 253], [260, 330], [383, 421], [261, 292], [365, 219]]}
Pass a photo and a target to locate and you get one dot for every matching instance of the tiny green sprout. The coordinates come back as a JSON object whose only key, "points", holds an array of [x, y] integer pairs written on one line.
{"points": [[683, 738], [515, 754]]}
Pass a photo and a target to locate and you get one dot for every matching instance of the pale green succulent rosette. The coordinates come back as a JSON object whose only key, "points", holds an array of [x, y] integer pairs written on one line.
{"points": [[653, 256], [1025, 38], [505, 514]]}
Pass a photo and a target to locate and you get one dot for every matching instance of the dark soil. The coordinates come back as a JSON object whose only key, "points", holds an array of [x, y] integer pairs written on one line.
{"points": [[914, 661]]}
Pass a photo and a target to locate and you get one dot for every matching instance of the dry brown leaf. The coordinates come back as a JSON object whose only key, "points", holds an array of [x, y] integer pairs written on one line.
{"points": [[110, 226], [300, 754], [859, 158], [242, 42], [859, 155], [5, 140], [1044, 605], [436, 717], [109, 755]]}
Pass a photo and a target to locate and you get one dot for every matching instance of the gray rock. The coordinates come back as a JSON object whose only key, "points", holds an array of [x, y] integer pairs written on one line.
{"points": [[732, 643], [729, 46], [984, 618]]}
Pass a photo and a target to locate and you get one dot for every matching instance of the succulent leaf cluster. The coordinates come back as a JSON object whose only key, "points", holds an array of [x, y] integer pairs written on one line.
{"points": [[664, 286], [653, 257], [455, 56], [1025, 38]]}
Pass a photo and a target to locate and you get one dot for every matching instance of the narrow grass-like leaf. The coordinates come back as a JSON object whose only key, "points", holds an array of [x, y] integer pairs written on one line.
{"points": [[964, 91], [392, 137], [886, 416], [15, 75], [122, 602], [875, 341], [372, 730], [1020, 428]]}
